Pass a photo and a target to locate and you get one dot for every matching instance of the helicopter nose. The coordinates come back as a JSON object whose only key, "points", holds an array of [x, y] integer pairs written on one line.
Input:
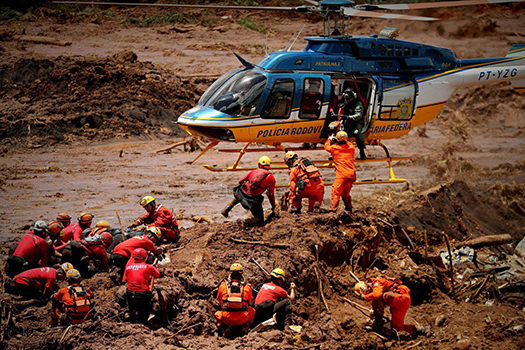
{"points": [[207, 122]]}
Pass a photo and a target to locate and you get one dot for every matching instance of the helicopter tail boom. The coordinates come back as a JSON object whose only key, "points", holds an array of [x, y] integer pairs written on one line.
{"points": [[517, 50]]}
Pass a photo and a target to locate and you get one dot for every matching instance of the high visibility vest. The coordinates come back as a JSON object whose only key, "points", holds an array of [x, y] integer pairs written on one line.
{"points": [[81, 304], [234, 299]]}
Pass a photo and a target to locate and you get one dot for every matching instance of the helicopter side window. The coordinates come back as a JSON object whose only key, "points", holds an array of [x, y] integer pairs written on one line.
{"points": [[390, 50], [312, 98], [279, 102], [240, 94], [398, 99]]}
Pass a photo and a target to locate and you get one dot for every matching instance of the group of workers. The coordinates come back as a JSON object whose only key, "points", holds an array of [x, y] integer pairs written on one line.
{"points": [[305, 182], [63, 250]]}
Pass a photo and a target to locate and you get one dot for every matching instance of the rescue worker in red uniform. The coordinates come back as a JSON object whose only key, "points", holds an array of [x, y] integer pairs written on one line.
{"points": [[122, 251], [37, 283], [273, 301], [89, 255], [383, 290], [250, 189], [342, 153], [74, 231], [236, 300], [72, 304], [139, 277], [158, 216], [32, 250], [305, 182]]}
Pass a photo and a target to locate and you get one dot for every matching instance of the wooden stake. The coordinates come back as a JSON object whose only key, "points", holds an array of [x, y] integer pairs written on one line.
{"points": [[259, 265], [359, 307], [265, 243], [319, 282], [426, 246], [450, 265]]}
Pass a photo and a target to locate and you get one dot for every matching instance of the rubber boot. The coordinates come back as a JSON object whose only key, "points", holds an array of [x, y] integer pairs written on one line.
{"points": [[226, 211]]}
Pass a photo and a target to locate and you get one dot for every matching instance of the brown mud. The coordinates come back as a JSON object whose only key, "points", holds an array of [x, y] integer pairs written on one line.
{"points": [[80, 124]]}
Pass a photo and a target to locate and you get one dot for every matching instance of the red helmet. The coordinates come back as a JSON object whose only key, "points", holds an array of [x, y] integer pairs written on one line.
{"points": [[64, 218], [107, 238], [139, 254]]}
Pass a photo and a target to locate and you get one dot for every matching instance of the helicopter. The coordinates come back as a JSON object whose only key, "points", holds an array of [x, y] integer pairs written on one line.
{"points": [[291, 96]]}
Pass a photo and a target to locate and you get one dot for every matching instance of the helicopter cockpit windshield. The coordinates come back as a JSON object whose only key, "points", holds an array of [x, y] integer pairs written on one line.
{"points": [[239, 94]]}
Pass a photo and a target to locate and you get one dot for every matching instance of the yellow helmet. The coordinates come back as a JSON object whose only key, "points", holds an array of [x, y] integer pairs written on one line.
{"points": [[236, 267], [73, 274], [102, 223], [289, 157], [341, 135], [278, 273], [146, 200], [264, 161], [67, 267], [360, 287], [154, 231]]}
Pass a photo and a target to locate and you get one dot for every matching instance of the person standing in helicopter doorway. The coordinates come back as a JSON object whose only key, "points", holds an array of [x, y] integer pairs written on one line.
{"points": [[353, 118]]}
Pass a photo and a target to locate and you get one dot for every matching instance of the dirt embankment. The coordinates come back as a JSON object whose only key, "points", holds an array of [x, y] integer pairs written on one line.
{"points": [[71, 100]]}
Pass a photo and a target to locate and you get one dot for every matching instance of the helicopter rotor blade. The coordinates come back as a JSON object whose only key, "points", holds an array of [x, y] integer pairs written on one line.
{"points": [[315, 3], [358, 13], [428, 5], [218, 7]]}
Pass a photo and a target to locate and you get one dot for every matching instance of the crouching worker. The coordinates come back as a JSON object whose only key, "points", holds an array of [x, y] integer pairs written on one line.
{"points": [[89, 255], [122, 252], [139, 277], [381, 291], [37, 283], [305, 182], [250, 190], [158, 216], [72, 304], [235, 298], [273, 301]]}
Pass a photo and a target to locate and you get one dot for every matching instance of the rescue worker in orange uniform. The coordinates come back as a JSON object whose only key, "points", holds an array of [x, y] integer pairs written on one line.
{"points": [[383, 290], [37, 283], [236, 299], [72, 304], [122, 251], [305, 182], [89, 255], [74, 231], [32, 250], [342, 153], [158, 216], [139, 277], [250, 189], [274, 301]]}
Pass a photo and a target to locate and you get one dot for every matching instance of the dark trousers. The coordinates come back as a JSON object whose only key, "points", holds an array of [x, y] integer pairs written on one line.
{"points": [[266, 309], [15, 265], [29, 292], [139, 304], [249, 202], [354, 129]]}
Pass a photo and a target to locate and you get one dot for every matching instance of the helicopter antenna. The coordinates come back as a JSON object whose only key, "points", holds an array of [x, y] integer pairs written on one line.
{"points": [[243, 61], [266, 45], [296, 37]]}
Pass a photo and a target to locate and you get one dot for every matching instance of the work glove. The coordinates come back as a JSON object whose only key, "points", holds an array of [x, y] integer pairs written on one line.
{"points": [[134, 224]]}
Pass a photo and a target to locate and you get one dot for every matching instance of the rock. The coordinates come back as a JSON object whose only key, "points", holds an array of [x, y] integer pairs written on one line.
{"points": [[440, 320], [463, 344]]}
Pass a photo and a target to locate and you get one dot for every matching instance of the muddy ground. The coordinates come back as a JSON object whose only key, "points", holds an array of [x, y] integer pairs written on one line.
{"points": [[80, 125]]}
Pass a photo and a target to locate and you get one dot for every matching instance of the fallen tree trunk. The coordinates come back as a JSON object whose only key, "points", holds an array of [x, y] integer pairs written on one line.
{"points": [[41, 40], [486, 241]]}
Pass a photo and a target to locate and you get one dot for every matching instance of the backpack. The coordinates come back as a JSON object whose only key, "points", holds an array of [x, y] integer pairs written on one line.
{"points": [[259, 175], [234, 300], [310, 172], [81, 304]]}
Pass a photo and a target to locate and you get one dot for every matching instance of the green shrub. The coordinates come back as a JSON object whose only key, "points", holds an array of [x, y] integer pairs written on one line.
{"points": [[7, 13], [250, 24]]}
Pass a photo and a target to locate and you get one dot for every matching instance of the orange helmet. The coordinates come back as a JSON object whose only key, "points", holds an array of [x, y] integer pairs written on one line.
{"points": [[139, 254], [64, 219], [107, 238], [98, 231], [55, 227], [85, 218], [102, 223]]}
